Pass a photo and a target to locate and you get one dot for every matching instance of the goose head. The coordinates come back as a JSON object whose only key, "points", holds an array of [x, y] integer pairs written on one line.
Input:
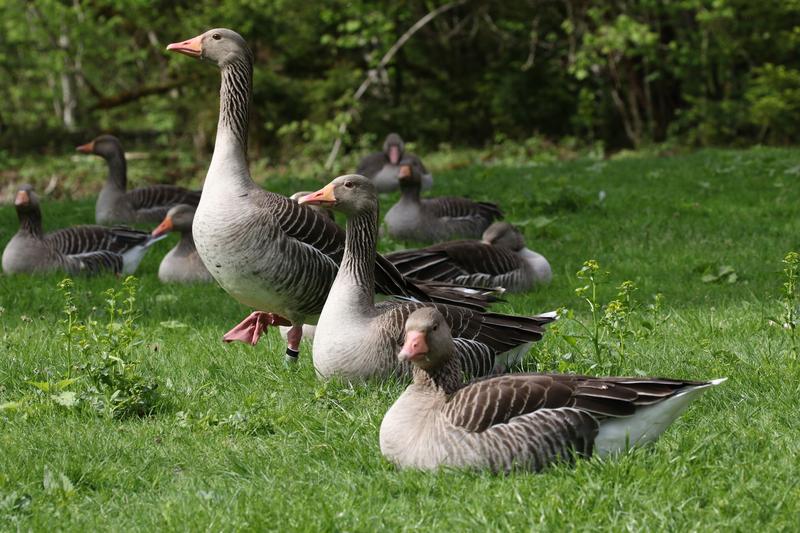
{"points": [[26, 200], [106, 146], [393, 148], [179, 218], [410, 173], [504, 235], [220, 45], [351, 194], [428, 342]]}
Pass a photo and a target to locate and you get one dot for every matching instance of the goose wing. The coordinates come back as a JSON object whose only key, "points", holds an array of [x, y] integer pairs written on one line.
{"points": [[92, 238], [448, 261], [157, 198], [485, 403], [458, 207]]}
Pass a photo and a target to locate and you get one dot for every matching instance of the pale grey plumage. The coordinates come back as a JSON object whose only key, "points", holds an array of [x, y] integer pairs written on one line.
{"points": [[358, 340], [182, 264], [499, 260], [435, 219], [77, 250], [116, 205], [383, 167], [525, 421]]}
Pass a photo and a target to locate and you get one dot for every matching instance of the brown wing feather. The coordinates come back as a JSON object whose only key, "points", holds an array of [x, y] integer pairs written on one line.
{"points": [[156, 196], [487, 402]]}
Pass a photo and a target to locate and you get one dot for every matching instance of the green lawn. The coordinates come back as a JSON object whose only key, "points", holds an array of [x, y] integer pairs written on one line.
{"points": [[241, 442]]}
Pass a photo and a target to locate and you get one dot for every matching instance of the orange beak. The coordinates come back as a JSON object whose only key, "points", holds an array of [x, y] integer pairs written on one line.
{"points": [[87, 148], [324, 196], [405, 172], [163, 228], [192, 47], [22, 198], [415, 347]]}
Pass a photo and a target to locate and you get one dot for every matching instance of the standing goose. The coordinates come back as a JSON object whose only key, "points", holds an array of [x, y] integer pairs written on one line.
{"points": [[513, 421], [76, 250], [435, 219], [117, 205], [182, 264], [358, 340], [499, 260], [383, 167], [264, 249]]}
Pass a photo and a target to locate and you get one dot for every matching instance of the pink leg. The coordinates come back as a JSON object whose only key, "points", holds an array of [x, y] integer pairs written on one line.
{"points": [[293, 337], [250, 329]]}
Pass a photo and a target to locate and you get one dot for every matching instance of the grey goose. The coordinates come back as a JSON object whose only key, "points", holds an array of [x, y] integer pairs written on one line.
{"points": [[357, 339], [116, 204], [435, 219], [517, 421], [265, 250], [182, 264], [500, 259], [383, 167], [77, 250]]}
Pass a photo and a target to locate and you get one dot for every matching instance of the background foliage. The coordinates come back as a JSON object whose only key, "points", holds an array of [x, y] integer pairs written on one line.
{"points": [[623, 73]]}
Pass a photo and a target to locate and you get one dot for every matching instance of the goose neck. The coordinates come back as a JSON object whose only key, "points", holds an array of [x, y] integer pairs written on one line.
{"points": [[410, 193], [446, 379], [358, 263], [30, 222], [117, 170], [230, 147]]}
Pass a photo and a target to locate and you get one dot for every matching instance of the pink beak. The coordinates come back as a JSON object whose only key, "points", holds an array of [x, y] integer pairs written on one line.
{"points": [[415, 346], [394, 154], [192, 47]]}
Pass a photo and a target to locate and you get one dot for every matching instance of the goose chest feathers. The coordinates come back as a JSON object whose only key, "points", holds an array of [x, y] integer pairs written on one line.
{"points": [[383, 167], [517, 421]]}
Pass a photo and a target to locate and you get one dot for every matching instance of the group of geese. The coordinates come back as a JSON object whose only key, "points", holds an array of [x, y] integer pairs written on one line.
{"points": [[287, 259]]}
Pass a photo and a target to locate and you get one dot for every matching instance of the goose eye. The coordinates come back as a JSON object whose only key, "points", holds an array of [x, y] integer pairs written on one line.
{"points": [[348, 184], [216, 36], [435, 327]]}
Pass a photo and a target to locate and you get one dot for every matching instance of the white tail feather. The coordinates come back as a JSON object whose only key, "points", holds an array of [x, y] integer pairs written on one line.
{"points": [[647, 424]]}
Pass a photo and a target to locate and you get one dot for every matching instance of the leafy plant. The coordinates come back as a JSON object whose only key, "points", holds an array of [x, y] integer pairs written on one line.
{"points": [[100, 373], [789, 298]]}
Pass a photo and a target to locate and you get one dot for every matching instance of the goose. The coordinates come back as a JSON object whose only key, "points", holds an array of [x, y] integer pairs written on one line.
{"points": [[182, 264], [116, 205], [76, 250], [327, 212], [499, 259], [267, 251], [435, 219], [358, 340], [517, 421], [383, 167]]}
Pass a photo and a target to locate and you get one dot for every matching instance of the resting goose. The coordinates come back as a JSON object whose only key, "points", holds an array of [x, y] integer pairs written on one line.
{"points": [[435, 219], [182, 264], [525, 421], [117, 205], [358, 340], [264, 249], [499, 260], [76, 250], [383, 167]]}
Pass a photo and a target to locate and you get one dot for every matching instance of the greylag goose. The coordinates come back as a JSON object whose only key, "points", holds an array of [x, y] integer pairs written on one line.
{"points": [[265, 250], [182, 264], [76, 250], [435, 219], [383, 167], [117, 205], [499, 260], [524, 421], [357, 340]]}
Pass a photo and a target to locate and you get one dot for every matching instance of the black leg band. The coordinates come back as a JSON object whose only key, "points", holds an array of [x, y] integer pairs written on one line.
{"points": [[294, 354]]}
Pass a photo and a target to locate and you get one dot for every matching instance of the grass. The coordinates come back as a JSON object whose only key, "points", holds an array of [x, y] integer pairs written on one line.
{"points": [[242, 442]]}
